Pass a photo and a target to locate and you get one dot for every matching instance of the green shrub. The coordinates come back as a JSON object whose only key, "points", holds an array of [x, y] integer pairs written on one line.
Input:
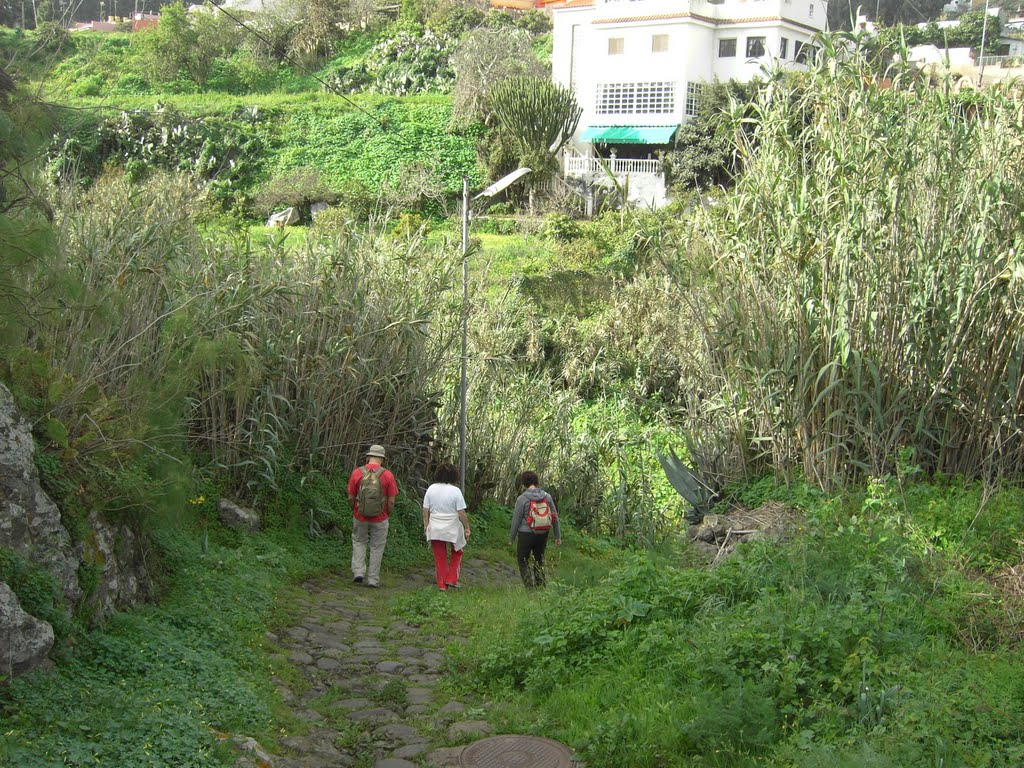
{"points": [[834, 639], [455, 20], [89, 86], [560, 228], [410, 224], [37, 591], [534, 22], [241, 73], [131, 83]]}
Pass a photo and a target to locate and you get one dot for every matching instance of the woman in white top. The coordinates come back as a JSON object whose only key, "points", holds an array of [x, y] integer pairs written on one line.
{"points": [[445, 523]]}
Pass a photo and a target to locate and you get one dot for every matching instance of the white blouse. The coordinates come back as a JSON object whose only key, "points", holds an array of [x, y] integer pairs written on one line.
{"points": [[444, 501]]}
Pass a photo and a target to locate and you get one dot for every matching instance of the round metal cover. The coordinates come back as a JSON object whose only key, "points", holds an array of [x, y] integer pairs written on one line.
{"points": [[516, 752]]}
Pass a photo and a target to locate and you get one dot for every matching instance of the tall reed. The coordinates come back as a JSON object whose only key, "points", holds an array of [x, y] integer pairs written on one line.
{"points": [[861, 292], [256, 355]]}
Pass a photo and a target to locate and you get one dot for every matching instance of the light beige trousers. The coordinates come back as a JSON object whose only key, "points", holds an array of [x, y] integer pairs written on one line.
{"points": [[374, 536]]}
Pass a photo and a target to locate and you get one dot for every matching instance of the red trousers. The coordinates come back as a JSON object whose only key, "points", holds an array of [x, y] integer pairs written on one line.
{"points": [[447, 569]]}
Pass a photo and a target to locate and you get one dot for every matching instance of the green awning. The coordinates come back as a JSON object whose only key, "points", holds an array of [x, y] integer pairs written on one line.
{"points": [[629, 134]]}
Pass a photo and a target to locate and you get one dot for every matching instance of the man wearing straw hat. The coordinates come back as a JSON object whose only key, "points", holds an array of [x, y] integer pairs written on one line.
{"points": [[371, 490]]}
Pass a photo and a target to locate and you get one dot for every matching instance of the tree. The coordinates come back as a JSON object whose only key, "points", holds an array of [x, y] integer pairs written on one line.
{"points": [[484, 58], [538, 117], [320, 28], [704, 155], [842, 13], [184, 46]]}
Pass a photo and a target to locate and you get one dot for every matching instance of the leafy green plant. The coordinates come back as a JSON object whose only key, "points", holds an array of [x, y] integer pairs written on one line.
{"points": [[561, 228]]}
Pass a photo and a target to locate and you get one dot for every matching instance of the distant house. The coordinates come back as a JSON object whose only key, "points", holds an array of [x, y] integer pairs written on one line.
{"points": [[93, 26], [135, 22], [638, 68], [1014, 46], [931, 55]]}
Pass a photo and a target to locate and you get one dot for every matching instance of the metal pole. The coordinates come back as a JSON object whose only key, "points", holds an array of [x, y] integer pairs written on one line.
{"points": [[465, 329], [981, 54]]}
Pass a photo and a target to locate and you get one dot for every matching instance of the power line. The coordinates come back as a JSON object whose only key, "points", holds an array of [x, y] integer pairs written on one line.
{"points": [[299, 65]]}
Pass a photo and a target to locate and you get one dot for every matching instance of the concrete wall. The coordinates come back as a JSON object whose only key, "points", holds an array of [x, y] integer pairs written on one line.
{"points": [[645, 189]]}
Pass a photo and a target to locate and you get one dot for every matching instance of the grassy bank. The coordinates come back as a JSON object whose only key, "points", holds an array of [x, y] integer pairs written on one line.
{"points": [[163, 685], [878, 636]]}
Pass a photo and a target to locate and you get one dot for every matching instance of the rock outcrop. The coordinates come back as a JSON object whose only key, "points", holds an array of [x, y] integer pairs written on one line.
{"points": [[30, 525], [235, 516], [30, 522], [118, 553], [286, 218], [24, 640]]}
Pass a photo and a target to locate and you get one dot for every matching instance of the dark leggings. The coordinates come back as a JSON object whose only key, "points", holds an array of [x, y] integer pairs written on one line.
{"points": [[532, 573]]}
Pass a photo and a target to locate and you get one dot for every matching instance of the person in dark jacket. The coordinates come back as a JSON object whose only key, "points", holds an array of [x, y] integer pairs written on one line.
{"points": [[533, 539]]}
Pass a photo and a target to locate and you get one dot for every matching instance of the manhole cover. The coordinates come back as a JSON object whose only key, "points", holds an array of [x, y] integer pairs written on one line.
{"points": [[516, 752]]}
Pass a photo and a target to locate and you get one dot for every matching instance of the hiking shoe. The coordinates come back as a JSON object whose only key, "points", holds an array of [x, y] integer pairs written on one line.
{"points": [[357, 580], [373, 586], [453, 586]]}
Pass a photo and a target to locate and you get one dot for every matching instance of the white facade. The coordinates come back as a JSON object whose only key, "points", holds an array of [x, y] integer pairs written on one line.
{"points": [[643, 62]]}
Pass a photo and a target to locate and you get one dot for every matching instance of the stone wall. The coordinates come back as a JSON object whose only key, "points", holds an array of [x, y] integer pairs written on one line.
{"points": [[30, 525], [30, 522]]}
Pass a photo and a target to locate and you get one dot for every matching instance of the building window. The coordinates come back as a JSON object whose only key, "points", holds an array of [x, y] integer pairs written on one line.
{"points": [[784, 49], [755, 47], [659, 43], [694, 91], [804, 53], [727, 48], [657, 98], [616, 45]]}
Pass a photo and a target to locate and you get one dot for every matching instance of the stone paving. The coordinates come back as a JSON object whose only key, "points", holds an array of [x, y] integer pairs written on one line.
{"points": [[367, 691]]}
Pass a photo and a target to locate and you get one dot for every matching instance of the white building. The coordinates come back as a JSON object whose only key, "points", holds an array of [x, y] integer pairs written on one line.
{"points": [[933, 56], [637, 68]]}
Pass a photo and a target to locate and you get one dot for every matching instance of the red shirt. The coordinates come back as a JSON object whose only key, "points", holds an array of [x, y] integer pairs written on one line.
{"points": [[388, 487]]}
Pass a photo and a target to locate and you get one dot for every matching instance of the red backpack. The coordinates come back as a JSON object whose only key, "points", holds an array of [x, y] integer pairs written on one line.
{"points": [[539, 516]]}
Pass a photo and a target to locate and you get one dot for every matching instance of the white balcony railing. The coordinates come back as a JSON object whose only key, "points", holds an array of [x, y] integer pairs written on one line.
{"points": [[580, 166]]}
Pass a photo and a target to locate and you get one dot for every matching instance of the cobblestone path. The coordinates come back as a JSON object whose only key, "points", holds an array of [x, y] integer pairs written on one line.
{"points": [[368, 692]]}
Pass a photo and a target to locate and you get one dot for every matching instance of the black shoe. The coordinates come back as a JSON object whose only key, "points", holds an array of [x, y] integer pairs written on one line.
{"points": [[358, 580]]}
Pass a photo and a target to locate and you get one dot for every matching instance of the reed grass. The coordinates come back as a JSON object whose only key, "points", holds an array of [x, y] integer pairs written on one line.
{"points": [[258, 355], [861, 293]]}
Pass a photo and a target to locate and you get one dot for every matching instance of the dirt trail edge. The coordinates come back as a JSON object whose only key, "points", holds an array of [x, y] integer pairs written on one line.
{"points": [[365, 693]]}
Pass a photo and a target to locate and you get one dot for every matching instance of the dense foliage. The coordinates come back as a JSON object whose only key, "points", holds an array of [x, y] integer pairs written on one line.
{"points": [[967, 33], [703, 153], [856, 644], [235, 150], [860, 291]]}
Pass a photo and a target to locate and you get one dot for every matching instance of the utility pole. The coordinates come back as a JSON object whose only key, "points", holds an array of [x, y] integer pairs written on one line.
{"points": [[465, 330], [491, 191], [981, 53]]}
